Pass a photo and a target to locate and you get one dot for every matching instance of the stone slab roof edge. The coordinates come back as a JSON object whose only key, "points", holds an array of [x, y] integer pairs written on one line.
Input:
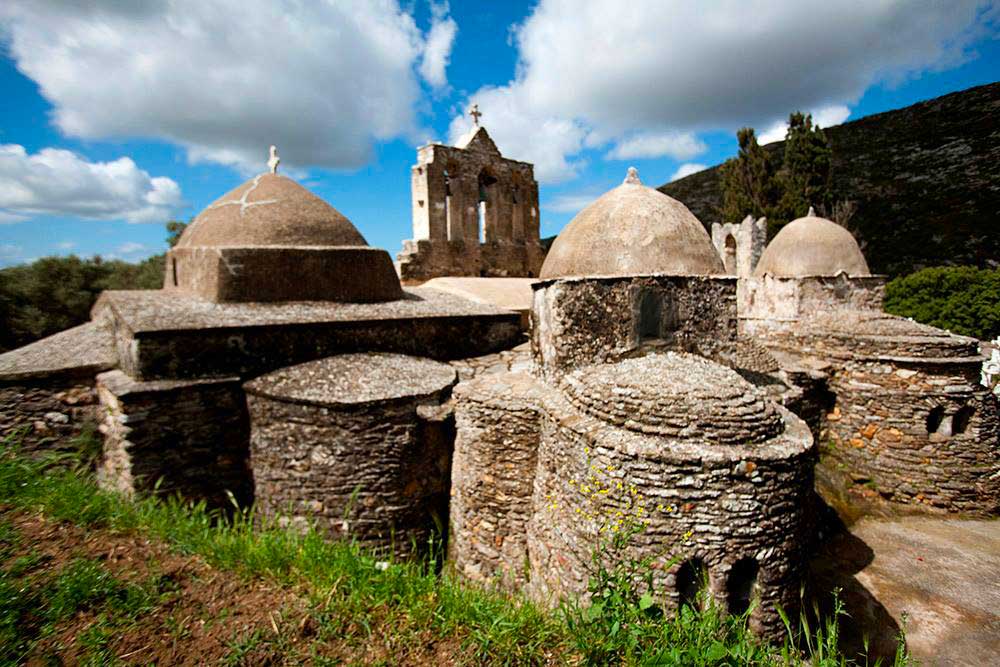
{"points": [[545, 282]]}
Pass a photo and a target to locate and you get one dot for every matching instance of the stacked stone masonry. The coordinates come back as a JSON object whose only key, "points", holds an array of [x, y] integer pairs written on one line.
{"points": [[359, 445], [907, 414], [741, 503], [184, 437]]}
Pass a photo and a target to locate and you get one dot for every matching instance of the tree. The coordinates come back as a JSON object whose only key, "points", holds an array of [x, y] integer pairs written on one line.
{"points": [[747, 180], [804, 177], [753, 185], [174, 230]]}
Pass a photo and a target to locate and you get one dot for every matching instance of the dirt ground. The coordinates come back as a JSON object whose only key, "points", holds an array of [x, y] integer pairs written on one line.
{"points": [[202, 616]]}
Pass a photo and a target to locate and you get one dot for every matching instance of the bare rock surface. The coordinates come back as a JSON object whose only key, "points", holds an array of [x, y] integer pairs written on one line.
{"points": [[937, 578]]}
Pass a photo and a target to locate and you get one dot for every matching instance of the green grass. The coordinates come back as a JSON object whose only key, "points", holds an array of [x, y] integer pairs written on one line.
{"points": [[350, 598]]}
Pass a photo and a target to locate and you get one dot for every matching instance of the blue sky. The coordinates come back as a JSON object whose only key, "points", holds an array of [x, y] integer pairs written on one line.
{"points": [[119, 116]]}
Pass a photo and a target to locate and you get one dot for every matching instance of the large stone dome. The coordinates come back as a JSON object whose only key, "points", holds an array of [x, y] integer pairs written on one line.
{"points": [[270, 210], [632, 230], [271, 240], [812, 246]]}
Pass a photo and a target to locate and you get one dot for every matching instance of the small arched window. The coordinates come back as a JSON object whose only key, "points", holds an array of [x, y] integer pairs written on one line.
{"points": [[741, 585], [692, 579]]}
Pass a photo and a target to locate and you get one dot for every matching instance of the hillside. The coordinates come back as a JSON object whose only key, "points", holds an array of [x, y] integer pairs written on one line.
{"points": [[926, 180]]}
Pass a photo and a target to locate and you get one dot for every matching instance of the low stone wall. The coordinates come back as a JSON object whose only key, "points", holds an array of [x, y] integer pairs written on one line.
{"points": [[922, 435], [579, 321], [45, 416], [167, 437]]}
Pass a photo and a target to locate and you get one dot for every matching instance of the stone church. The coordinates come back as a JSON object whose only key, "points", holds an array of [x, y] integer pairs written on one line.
{"points": [[706, 384]]}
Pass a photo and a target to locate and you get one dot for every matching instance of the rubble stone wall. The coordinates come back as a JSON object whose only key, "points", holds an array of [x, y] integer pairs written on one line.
{"points": [[580, 321], [923, 435], [496, 445], [171, 437], [375, 471], [770, 303], [45, 415], [738, 505]]}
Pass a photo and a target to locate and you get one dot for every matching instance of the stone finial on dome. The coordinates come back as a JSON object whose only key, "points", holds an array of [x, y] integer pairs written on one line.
{"points": [[633, 177], [274, 160], [811, 213]]}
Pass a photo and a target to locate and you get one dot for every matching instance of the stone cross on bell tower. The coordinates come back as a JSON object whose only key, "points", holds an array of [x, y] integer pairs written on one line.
{"points": [[475, 113]]}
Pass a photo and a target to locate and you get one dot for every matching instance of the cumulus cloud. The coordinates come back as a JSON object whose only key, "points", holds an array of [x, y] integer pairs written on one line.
{"points": [[522, 133], [60, 182], [687, 169], [437, 52], [321, 80], [678, 145], [603, 73], [825, 117]]}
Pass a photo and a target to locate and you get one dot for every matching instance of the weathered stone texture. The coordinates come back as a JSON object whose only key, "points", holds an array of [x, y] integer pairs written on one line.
{"points": [[359, 444], [514, 360], [740, 245], [775, 303], [921, 435], [582, 321], [497, 430], [743, 500], [910, 419], [185, 437], [449, 184], [45, 417], [170, 336]]}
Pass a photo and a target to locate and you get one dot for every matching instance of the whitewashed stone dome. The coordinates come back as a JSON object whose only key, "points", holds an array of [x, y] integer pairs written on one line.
{"points": [[812, 246], [632, 230]]}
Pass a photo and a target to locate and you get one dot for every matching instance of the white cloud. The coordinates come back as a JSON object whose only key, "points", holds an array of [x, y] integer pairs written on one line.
{"points": [[687, 169], [66, 245], [59, 182], [601, 73], [678, 145], [570, 203], [321, 80], [522, 133], [437, 51], [824, 117]]}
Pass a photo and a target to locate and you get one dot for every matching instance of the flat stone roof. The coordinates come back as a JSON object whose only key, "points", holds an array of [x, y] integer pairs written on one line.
{"points": [[509, 293], [351, 379], [156, 310], [82, 351]]}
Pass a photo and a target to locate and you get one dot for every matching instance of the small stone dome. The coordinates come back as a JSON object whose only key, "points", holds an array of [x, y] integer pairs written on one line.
{"points": [[632, 230], [270, 210], [676, 395], [354, 379], [812, 246]]}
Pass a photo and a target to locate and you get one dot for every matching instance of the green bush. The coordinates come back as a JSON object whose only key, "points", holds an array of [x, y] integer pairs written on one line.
{"points": [[962, 299]]}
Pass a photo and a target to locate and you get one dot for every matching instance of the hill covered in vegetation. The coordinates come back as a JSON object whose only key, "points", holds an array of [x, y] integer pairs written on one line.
{"points": [[924, 179]]}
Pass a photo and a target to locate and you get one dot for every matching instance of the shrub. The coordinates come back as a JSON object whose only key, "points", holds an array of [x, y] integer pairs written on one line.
{"points": [[962, 299]]}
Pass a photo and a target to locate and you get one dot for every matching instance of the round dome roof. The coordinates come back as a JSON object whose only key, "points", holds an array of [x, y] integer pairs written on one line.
{"points": [[676, 395], [812, 246], [270, 210], [632, 230]]}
